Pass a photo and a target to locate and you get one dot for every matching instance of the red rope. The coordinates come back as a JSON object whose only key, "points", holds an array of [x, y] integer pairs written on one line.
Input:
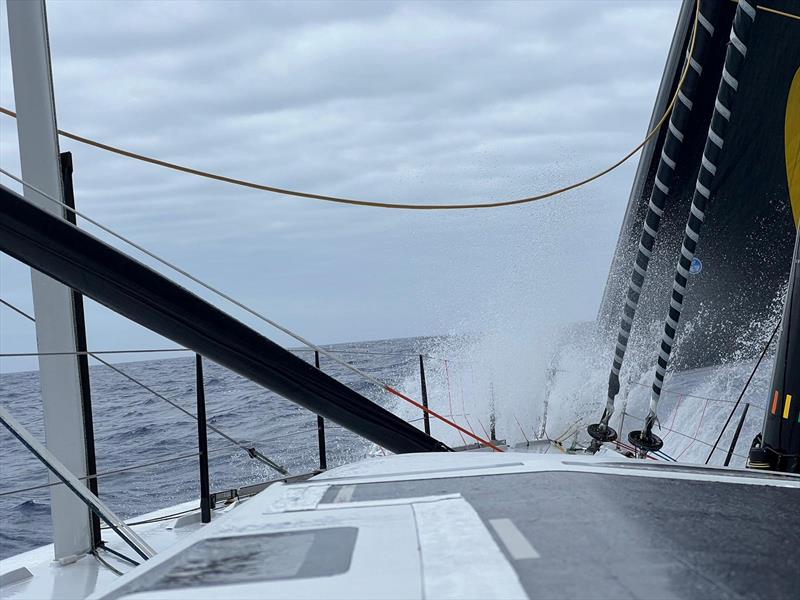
{"points": [[479, 439]]}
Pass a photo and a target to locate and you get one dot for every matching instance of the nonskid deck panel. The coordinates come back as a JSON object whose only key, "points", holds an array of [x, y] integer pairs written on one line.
{"points": [[513, 525], [601, 536]]}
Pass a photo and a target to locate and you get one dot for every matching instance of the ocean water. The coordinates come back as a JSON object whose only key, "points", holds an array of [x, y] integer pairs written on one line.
{"points": [[132, 427]]}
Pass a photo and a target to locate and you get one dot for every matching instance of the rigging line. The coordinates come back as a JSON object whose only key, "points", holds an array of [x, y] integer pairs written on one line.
{"points": [[398, 354], [450, 398], [474, 386], [693, 396], [567, 432], [250, 451], [17, 310], [168, 459], [564, 436], [244, 307], [377, 204], [675, 413], [163, 517], [571, 431], [775, 11], [285, 435], [631, 449], [696, 431], [485, 433], [663, 454], [450, 415], [463, 406], [686, 435], [103, 562], [744, 389], [665, 391], [368, 353], [241, 446], [89, 352], [527, 441], [104, 545], [157, 350], [453, 424]]}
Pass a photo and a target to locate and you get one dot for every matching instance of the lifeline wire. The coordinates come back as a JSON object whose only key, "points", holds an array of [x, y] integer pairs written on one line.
{"points": [[167, 459], [250, 451], [87, 352], [153, 463], [744, 389], [693, 439], [246, 308]]}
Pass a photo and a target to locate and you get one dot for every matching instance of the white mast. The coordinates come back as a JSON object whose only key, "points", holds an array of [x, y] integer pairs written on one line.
{"points": [[52, 301]]}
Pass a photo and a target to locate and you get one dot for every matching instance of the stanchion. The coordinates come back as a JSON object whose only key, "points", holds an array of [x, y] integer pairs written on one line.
{"points": [[323, 455], [425, 417], [202, 443]]}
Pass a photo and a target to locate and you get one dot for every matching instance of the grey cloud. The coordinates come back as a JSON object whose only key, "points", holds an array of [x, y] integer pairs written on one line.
{"points": [[399, 101]]}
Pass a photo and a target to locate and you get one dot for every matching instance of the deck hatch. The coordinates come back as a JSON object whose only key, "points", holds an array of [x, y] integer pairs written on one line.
{"points": [[251, 558]]}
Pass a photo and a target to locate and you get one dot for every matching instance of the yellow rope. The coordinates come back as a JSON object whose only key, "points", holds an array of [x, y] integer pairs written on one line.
{"points": [[775, 11], [354, 202]]}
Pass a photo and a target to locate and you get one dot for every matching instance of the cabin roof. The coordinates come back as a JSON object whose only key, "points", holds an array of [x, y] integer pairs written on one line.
{"points": [[510, 525]]}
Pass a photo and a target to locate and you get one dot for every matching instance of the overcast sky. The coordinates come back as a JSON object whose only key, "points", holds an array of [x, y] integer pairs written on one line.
{"points": [[406, 102]]}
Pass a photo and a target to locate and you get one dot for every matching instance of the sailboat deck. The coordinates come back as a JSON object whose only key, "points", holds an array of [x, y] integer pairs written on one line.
{"points": [[590, 535], [472, 525]]}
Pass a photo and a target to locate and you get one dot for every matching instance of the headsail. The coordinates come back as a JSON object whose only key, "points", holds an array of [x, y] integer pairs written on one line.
{"points": [[745, 253]]}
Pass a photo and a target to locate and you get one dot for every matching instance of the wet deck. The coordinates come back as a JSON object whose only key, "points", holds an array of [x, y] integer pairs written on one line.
{"points": [[481, 525], [602, 536]]}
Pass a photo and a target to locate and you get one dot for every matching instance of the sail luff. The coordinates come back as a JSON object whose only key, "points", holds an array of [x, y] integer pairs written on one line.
{"points": [[672, 151], [743, 21]]}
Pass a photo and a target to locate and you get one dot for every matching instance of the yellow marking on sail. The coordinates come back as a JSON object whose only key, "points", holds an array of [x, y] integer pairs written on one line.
{"points": [[792, 138], [787, 406]]}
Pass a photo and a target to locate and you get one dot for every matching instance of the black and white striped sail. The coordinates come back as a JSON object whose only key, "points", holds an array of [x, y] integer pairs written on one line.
{"points": [[672, 152], [746, 191]]}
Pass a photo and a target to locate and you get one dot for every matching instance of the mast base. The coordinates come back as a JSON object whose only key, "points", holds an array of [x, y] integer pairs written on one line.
{"points": [[645, 442], [601, 433]]}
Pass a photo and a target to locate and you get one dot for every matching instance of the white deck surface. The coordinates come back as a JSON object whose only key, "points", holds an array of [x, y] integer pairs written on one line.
{"points": [[81, 578], [434, 546]]}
